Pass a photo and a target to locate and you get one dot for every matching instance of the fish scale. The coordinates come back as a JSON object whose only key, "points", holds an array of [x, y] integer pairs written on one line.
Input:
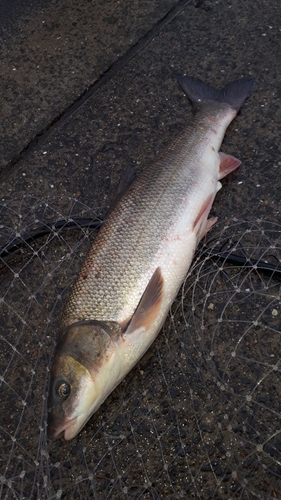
{"points": [[136, 229], [139, 260]]}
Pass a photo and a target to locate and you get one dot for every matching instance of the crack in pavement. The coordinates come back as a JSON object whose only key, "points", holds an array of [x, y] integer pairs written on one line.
{"points": [[63, 117]]}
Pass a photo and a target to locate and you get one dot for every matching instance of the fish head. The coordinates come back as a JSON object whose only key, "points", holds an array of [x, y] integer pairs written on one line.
{"points": [[81, 375]]}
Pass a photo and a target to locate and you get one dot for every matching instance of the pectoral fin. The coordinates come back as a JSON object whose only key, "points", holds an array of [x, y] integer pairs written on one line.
{"points": [[149, 305]]}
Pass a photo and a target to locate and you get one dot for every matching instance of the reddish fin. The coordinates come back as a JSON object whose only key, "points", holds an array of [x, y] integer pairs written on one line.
{"points": [[149, 305], [228, 163], [209, 224], [205, 209], [201, 225]]}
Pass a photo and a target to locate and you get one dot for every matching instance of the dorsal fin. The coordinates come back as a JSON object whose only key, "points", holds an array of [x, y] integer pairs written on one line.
{"points": [[127, 178]]}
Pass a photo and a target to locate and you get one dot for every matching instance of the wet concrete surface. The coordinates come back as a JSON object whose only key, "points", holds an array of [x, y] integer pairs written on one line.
{"points": [[13, 12], [56, 53], [137, 111], [87, 89]]}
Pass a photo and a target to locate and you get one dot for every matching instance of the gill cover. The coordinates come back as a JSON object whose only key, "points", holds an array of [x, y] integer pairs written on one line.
{"points": [[81, 351]]}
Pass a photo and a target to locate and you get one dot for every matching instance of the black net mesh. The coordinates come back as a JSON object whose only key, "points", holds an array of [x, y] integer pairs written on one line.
{"points": [[198, 417]]}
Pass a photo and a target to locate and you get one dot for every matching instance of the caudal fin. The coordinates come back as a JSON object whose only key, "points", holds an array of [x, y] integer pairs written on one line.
{"points": [[234, 93]]}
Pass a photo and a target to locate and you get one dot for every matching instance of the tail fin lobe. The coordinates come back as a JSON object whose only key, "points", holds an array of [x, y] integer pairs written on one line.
{"points": [[234, 93]]}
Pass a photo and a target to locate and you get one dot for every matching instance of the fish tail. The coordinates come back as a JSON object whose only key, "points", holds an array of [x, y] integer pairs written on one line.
{"points": [[234, 93]]}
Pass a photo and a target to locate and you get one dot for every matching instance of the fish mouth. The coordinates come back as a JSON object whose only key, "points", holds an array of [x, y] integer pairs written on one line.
{"points": [[66, 430]]}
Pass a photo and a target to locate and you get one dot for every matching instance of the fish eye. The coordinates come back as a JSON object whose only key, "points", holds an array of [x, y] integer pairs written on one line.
{"points": [[63, 390]]}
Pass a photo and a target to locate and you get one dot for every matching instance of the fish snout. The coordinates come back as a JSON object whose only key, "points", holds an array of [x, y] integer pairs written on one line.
{"points": [[65, 430]]}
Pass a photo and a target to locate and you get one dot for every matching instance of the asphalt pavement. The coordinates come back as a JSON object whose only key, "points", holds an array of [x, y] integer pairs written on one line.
{"points": [[88, 88]]}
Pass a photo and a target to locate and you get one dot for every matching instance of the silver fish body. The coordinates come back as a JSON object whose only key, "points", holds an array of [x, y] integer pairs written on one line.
{"points": [[139, 260]]}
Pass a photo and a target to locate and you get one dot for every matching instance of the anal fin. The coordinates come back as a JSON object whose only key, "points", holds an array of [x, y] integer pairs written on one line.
{"points": [[228, 163], [149, 305]]}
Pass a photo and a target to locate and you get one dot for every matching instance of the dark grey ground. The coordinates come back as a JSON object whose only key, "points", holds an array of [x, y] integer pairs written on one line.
{"points": [[88, 88]]}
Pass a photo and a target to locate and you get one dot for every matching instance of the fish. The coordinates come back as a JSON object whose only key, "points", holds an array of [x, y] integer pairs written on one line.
{"points": [[139, 260]]}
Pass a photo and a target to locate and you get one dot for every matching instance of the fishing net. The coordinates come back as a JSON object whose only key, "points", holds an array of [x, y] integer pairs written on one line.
{"points": [[198, 417]]}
